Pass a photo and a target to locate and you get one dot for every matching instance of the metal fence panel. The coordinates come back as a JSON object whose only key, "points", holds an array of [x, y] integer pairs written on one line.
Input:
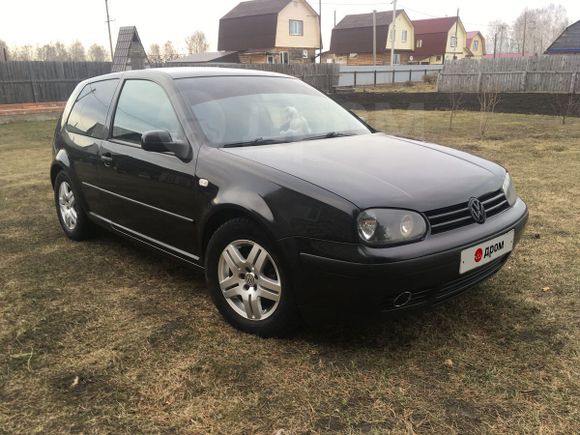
{"points": [[384, 74]]}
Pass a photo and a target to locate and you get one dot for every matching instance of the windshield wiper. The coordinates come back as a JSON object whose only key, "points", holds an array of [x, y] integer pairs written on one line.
{"points": [[253, 142], [329, 135]]}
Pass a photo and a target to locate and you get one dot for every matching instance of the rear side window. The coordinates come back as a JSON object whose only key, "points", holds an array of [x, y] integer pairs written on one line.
{"points": [[89, 112], [144, 106]]}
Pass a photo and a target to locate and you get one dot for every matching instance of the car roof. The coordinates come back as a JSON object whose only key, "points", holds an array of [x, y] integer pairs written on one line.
{"points": [[185, 72]]}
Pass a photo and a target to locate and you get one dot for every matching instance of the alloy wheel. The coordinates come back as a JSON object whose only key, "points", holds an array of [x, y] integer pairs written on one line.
{"points": [[66, 202], [249, 280]]}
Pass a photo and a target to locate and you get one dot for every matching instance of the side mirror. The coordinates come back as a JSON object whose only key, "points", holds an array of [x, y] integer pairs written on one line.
{"points": [[161, 141]]}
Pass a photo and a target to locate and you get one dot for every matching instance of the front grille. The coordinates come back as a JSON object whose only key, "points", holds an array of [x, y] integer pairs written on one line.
{"points": [[456, 216], [447, 290]]}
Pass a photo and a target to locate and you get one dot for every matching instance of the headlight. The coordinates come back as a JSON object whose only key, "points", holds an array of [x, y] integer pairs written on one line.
{"points": [[509, 190], [380, 227]]}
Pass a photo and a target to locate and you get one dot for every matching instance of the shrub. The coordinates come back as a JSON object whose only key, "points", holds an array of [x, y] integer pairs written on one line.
{"points": [[430, 78]]}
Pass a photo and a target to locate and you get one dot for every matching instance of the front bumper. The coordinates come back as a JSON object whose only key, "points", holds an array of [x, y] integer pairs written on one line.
{"points": [[335, 278]]}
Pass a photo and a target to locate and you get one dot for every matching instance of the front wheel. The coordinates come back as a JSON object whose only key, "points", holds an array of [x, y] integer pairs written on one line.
{"points": [[247, 280]]}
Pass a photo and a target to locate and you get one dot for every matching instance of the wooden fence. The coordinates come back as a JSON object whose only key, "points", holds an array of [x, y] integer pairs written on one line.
{"points": [[323, 76], [550, 74], [33, 82]]}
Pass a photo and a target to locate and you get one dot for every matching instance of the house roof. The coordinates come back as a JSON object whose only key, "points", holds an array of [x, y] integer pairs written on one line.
{"points": [[433, 33], [206, 57], [354, 33], [256, 7], [568, 42], [252, 25]]}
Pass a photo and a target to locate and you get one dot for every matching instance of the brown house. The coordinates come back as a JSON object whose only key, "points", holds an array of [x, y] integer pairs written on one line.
{"points": [[440, 39], [271, 31], [352, 39]]}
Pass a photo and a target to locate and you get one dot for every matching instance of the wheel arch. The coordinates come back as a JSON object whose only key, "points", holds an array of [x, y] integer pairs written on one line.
{"points": [[225, 213], [61, 162]]}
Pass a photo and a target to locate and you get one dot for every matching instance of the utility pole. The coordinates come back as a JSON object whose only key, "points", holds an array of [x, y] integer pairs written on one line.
{"points": [[501, 30], [320, 30], [456, 41], [109, 26], [494, 44], [375, 38], [335, 18], [393, 34], [525, 25]]}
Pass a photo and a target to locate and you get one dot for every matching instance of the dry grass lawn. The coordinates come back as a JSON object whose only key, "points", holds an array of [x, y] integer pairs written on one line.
{"points": [[103, 336]]}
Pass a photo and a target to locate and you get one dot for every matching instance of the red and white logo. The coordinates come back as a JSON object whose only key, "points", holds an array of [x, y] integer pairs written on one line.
{"points": [[478, 255]]}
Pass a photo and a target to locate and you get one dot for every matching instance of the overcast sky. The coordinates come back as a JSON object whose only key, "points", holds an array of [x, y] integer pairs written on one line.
{"points": [[40, 21]]}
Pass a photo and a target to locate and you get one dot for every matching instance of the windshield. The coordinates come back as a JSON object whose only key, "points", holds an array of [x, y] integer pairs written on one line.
{"points": [[252, 110]]}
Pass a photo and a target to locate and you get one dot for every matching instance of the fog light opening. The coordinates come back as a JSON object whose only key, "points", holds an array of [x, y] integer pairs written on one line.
{"points": [[402, 299]]}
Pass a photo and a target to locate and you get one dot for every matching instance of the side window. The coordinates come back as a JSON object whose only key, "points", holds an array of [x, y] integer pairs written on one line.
{"points": [[89, 112], [144, 106]]}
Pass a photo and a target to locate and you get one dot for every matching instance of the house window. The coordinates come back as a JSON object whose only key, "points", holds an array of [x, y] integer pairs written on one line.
{"points": [[453, 42], [270, 59], [284, 57], [296, 28], [419, 43], [397, 59], [404, 36], [438, 58], [476, 44]]}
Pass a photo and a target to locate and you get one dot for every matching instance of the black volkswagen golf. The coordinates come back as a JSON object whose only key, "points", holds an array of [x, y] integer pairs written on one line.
{"points": [[292, 205]]}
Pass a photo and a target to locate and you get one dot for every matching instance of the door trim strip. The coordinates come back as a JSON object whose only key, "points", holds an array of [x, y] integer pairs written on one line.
{"points": [[134, 201], [150, 241]]}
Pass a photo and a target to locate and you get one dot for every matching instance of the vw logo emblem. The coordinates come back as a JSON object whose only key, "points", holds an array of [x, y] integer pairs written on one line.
{"points": [[477, 210], [250, 279]]}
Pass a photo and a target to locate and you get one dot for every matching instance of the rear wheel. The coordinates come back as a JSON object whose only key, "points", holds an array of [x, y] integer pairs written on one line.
{"points": [[73, 220], [247, 280]]}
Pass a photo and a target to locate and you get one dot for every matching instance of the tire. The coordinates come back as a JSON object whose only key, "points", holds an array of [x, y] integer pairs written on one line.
{"points": [[249, 281], [73, 220]]}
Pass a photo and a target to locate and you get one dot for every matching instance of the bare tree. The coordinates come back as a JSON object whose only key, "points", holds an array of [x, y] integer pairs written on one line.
{"points": [[455, 103], [77, 52], [497, 37], [155, 53], [23, 52], [566, 105], [169, 52], [196, 43], [97, 53], [535, 29], [488, 101], [60, 52], [46, 52]]}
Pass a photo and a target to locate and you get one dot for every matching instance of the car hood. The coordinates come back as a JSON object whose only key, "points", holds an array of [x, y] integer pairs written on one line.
{"points": [[377, 170]]}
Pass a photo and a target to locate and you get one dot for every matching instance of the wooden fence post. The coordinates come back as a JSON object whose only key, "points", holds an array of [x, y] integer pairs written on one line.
{"points": [[410, 74], [479, 80], [375, 78], [32, 84], [393, 81], [573, 82], [524, 81], [355, 79]]}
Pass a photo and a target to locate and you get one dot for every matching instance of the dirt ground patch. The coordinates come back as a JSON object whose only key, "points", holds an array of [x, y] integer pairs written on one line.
{"points": [[105, 337]]}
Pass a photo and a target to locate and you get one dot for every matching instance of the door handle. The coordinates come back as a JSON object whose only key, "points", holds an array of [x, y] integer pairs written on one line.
{"points": [[107, 159]]}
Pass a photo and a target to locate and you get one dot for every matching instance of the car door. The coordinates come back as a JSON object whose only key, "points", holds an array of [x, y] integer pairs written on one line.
{"points": [[147, 195], [82, 134]]}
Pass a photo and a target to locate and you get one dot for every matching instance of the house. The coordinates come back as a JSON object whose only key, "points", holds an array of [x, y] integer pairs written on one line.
{"points": [[439, 39], [129, 52], [208, 57], [476, 44], [568, 42], [352, 39], [271, 31]]}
